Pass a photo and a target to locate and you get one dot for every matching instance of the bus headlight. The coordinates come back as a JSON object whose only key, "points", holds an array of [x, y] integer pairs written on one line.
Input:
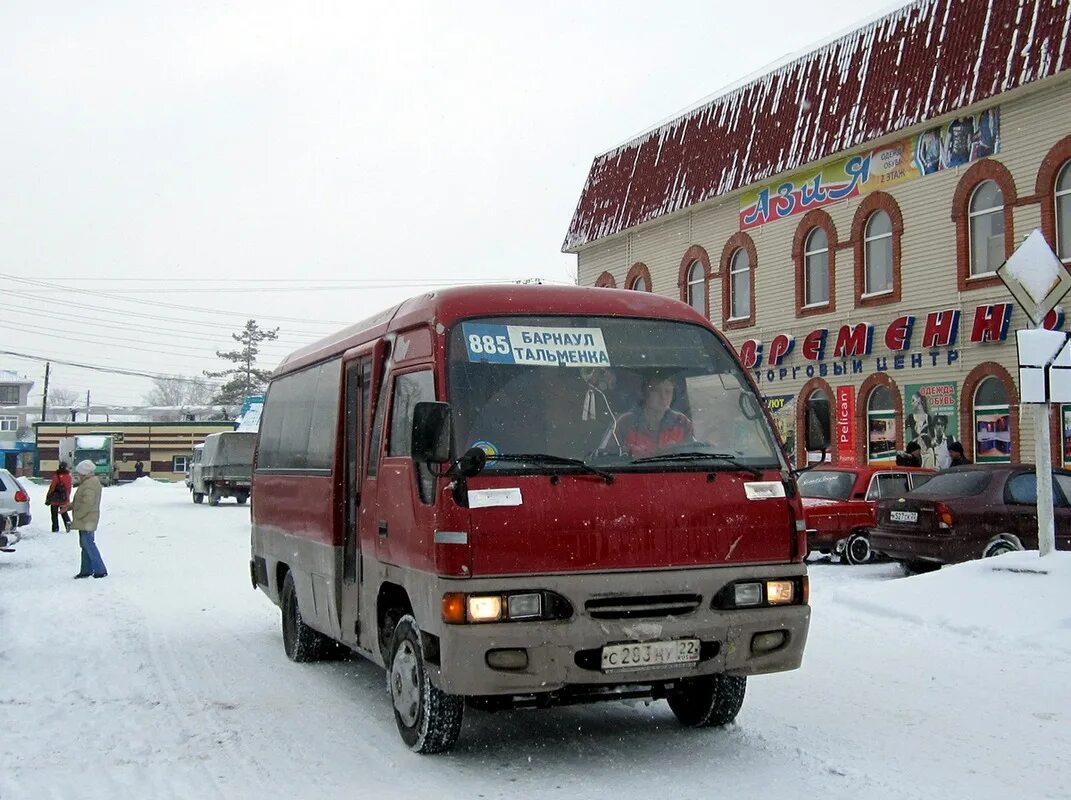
{"points": [[485, 608]]}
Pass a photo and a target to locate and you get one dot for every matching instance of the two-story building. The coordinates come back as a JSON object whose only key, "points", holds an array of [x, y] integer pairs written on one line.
{"points": [[842, 217], [16, 439]]}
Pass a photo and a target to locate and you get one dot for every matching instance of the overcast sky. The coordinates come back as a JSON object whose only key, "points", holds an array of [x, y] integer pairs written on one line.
{"points": [[151, 150]]}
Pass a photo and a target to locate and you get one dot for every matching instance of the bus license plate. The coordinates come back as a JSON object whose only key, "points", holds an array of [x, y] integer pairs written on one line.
{"points": [[650, 654], [904, 516]]}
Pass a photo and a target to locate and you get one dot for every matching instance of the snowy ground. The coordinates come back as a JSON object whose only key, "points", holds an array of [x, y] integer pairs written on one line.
{"points": [[168, 679]]}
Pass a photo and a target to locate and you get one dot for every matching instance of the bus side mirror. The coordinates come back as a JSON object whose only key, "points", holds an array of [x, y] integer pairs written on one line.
{"points": [[818, 433], [431, 432]]}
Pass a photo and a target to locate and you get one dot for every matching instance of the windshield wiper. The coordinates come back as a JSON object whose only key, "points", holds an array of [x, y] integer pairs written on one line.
{"points": [[547, 458], [696, 455]]}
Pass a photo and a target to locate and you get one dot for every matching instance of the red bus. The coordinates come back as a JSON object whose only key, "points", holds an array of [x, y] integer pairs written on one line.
{"points": [[530, 496]]}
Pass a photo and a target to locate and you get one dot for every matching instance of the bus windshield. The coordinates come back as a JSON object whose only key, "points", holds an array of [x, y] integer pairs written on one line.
{"points": [[612, 392]]}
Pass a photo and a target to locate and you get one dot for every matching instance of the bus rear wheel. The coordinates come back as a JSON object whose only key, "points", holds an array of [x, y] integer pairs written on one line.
{"points": [[712, 700], [301, 643], [428, 719]]}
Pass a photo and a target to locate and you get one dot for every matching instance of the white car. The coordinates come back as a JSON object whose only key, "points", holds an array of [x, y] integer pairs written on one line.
{"points": [[14, 499]]}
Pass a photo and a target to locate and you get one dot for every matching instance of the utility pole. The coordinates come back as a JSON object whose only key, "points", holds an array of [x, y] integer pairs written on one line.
{"points": [[87, 405], [44, 397]]}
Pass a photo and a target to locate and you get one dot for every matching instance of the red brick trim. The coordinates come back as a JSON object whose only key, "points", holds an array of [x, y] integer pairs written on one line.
{"points": [[637, 271], [876, 201], [738, 241], [1045, 190], [988, 369], [816, 218], [605, 281], [861, 423], [801, 418], [986, 169], [691, 255]]}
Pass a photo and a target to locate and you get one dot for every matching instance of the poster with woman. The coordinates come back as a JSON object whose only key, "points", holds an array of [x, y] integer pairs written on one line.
{"points": [[931, 418]]}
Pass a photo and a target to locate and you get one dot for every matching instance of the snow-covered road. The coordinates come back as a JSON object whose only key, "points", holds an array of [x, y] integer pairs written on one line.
{"points": [[168, 679]]}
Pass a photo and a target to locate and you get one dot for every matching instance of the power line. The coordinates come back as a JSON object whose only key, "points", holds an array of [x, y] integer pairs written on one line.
{"points": [[114, 370], [199, 309], [222, 326], [297, 288], [219, 341]]}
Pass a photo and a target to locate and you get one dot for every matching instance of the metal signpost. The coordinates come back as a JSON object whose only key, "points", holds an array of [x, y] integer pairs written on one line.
{"points": [[1038, 281]]}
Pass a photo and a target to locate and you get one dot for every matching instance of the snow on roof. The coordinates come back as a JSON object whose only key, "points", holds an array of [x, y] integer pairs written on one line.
{"points": [[10, 376], [912, 65]]}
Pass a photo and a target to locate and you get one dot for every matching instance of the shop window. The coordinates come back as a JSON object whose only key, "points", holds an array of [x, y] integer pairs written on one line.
{"points": [[878, 254], [740, 285], [992, 422], [1063, 213], [881, 426], [816, 268], [820, 403], [697, 287], [986, 228]]}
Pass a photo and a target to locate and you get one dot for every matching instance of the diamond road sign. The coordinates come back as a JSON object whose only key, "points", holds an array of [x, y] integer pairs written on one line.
{"points": [[1035, 277]]}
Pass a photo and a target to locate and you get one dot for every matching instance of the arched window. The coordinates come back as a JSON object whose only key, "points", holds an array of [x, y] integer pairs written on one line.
{"points": [[986, 218], [740, 285], [992, 422], [878, 254], [822, 406], [816, 268], [638, 278], [881, 426], [1063, 213], [697, 287]]}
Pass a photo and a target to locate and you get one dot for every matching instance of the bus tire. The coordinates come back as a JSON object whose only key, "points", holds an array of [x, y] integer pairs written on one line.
{"points": [[301, 643], [198, 497], [428, 719], [712, 700]]}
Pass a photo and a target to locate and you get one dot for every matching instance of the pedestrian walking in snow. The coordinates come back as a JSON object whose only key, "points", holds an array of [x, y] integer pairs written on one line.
{"points": [[58, 497], [85, 510]]}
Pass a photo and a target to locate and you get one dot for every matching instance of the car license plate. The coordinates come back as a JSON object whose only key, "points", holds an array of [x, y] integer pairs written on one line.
{"points": [[650, 654], [904, 516]]}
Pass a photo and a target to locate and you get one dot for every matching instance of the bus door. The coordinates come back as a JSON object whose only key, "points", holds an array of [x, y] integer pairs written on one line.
{"points": [[357, 397]]}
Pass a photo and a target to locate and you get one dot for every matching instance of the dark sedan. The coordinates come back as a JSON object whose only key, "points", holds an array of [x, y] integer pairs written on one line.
{"points": [[969, 512]]}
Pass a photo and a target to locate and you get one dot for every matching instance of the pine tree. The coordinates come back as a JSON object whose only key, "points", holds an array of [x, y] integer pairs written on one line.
{"points": [[244, 378]]}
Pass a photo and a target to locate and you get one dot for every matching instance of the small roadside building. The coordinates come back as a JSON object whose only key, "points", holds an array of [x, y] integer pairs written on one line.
{"points": [[164, 448], [842, 217]]}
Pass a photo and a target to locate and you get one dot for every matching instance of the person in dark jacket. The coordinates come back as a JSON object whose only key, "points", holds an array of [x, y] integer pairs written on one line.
{"points": [[955, 453], [58, 497]]}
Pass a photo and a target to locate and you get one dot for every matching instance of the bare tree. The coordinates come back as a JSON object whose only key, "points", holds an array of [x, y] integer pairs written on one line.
{"points": [[178, 391], [60, 401]]}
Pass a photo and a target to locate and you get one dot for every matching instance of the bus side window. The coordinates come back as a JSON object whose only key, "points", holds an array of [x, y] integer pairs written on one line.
{"points": [[377, 423]]}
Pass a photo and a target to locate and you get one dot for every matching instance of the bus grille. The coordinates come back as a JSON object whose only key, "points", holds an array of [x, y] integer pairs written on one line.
{"points": [[658, 605]]}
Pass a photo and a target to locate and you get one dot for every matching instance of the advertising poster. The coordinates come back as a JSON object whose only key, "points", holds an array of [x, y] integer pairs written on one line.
{"points": [[961, 141], [931, 418], [1065, 430], [845, 424], [783, 410], [992, 434]]}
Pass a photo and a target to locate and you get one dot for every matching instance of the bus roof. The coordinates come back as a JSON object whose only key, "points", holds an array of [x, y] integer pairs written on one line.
{"points": [[447, 306]]}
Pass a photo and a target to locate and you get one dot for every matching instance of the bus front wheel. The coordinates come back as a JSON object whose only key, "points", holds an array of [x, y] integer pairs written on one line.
{"points": [[429, 720], [712, 700]]}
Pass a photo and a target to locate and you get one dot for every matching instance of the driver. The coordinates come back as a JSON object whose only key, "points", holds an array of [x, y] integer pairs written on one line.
{"points": [[653, 426]]}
